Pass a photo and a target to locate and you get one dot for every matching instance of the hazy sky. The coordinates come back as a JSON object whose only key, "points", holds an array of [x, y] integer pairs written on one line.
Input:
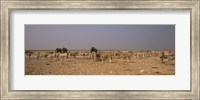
{"points": [[115, 37]]}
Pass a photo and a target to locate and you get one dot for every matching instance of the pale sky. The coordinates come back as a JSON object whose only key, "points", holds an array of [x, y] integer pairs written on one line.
{"points": [[101, 36]]}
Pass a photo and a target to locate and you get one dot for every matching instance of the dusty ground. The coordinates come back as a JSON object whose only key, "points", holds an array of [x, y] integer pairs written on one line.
{"points": [[85, 66]]}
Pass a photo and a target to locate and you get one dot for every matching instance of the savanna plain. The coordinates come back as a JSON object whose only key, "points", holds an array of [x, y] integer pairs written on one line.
{"points": [[105, 62]]}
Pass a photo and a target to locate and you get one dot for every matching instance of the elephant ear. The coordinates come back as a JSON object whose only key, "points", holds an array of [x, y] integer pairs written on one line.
{"points": [[93, 49]]}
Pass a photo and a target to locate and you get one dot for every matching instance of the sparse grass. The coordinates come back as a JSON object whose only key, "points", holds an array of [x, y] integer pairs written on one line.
{"points": [[85, 66]]}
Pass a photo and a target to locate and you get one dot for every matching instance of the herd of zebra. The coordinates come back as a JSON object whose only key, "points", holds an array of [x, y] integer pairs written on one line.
{"points": [[101, 55]]}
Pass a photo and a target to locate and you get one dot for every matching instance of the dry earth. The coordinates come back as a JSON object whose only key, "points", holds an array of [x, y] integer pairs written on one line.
{"points": [[86, 66]]}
